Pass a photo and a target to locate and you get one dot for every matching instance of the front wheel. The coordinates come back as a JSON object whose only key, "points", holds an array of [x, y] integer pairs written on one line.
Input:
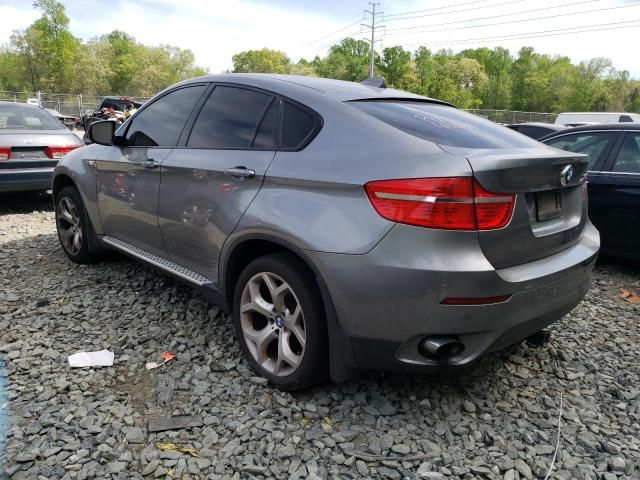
{"points": [[280, 323], [74, 229]]}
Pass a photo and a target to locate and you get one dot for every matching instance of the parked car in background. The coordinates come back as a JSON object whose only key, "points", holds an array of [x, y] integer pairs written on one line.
{"points": [[587, 118], [68, 121], [32, 142], [345, 226], [614, 181], [535, 129], [110, 108]]}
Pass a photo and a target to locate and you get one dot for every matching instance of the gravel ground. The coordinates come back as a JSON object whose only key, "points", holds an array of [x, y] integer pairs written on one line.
{"points": [[496, 420]]}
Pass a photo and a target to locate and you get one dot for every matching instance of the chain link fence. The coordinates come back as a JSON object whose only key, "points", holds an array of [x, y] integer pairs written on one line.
{"points": [[76, 105], [514, 116], [73, 105]]}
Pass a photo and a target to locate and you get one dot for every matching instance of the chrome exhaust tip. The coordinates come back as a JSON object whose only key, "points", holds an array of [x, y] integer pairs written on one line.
{"points": [[440, 348]]}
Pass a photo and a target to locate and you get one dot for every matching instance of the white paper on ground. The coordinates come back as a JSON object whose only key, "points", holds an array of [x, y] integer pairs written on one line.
{"points": [[103, 358]]}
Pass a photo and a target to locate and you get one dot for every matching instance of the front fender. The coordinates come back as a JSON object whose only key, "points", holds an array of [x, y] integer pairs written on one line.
{"points": [[78, 167]]}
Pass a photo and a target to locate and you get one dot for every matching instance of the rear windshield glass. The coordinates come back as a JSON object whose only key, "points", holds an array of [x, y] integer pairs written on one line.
{"points": [[444, 125], [19, 117]]}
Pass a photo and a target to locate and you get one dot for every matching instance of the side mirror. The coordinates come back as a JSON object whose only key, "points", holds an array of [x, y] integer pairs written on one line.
{"points": [[102, 132]]}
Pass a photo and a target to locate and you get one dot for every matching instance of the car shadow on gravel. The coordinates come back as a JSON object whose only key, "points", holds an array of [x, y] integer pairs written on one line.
{"points": [[25, 202]]}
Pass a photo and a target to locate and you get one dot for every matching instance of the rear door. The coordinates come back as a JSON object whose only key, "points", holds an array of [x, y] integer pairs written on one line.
{"points": [[212, 177], [616, 198], [128, 175], [598, 145]]}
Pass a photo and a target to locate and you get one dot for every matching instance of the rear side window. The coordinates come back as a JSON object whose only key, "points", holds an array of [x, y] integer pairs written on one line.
{"points": [[625, 118], [297, 126], [161, 123], [594, 144], [443, 125], [229, 118]]}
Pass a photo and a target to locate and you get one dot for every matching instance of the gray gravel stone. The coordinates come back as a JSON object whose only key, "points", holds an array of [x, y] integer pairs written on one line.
{"points": [[495, 420]]}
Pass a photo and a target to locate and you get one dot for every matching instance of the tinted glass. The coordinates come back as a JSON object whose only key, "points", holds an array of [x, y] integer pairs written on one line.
{"points": [[229, 118], [297, 125], [160, 124], [267, 132], [19, 117], [591, 143], [628, 160], [444, 125], [625, 118]]}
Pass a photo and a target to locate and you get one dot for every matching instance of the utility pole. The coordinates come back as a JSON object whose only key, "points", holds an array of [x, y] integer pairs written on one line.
{"points": [[373, 27]]}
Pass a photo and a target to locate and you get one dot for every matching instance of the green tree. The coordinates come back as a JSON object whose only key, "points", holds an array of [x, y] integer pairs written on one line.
{"points": [[348, 60], [261, 61], [397, 67]]}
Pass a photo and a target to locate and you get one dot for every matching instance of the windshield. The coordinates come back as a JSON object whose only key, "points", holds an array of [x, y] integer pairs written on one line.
{"points": [[20, 117], [443, 124]]}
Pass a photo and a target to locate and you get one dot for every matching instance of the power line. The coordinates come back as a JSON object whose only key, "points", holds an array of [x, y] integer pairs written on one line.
{"points": [[333, 33], [452, 11], [438, 8], [517, 21], [581, 2], [539, 34]]}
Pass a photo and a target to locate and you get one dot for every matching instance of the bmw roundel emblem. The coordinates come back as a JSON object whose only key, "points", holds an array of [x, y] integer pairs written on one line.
{"points": [[566, 175]]}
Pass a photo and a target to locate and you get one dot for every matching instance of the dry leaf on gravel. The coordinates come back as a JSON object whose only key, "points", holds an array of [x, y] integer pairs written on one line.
{"points": [[630, 296]]}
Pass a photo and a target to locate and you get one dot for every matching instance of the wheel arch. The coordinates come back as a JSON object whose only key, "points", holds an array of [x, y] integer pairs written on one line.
{"points": [[61, 181], [247, 248]]}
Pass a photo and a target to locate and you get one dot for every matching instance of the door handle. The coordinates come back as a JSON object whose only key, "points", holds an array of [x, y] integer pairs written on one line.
{"points": [[240, 172], [150, 164]]}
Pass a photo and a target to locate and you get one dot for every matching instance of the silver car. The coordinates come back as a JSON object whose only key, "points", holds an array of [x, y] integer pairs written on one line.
{"points": [[346, 226], [32, 142]]}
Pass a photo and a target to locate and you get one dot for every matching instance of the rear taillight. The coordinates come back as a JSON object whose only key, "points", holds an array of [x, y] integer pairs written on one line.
{"points": [[59, 152], [455, 203], [5, 153]]}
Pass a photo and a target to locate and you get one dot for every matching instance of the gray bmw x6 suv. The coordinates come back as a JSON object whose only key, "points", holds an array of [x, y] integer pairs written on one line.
{"points": [[345, 226]]}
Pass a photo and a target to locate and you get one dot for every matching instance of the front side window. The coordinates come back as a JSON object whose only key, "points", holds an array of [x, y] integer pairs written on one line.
{"points": [[628, 160], [161, 123], [593, 144], [229, 118]]}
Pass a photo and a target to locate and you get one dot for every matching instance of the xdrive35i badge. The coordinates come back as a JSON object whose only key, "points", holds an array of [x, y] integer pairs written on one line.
{"points": [[566, 175]]}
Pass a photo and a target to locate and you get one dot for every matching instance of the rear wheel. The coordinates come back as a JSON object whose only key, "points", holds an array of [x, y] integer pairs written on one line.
{"points": [[280, 322], [74, 230]]}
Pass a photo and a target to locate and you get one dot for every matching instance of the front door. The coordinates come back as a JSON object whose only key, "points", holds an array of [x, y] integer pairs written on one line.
{"points": [[129, 175], [209, 181], [615, 199]]}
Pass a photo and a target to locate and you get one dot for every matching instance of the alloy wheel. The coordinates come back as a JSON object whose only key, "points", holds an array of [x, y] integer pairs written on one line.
{"points": [[272, 323], [69, 226]]}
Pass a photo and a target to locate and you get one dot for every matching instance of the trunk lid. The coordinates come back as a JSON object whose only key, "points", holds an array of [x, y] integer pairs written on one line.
{"points": [[550, 210], [29, 148]]}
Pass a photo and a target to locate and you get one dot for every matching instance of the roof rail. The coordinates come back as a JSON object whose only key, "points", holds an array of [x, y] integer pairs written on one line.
{"points": [[375, 82]]}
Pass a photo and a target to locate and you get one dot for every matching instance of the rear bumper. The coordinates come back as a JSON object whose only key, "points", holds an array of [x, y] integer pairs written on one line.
{"points": [[25, 179], [388, 300]]}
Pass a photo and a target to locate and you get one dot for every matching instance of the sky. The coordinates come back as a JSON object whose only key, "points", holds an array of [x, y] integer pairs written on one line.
{"points": [[217, 29]]}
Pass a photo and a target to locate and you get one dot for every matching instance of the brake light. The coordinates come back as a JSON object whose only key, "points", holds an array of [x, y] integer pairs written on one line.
{"points": [[454, 203], [5, 153], [59, 152]]}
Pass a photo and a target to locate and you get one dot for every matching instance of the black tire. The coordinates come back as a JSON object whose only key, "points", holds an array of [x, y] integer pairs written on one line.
{"points": [[89, 251], [313, 366]]}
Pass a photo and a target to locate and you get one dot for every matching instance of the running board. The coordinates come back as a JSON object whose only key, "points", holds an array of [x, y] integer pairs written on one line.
{"points": [[155, 260]]}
